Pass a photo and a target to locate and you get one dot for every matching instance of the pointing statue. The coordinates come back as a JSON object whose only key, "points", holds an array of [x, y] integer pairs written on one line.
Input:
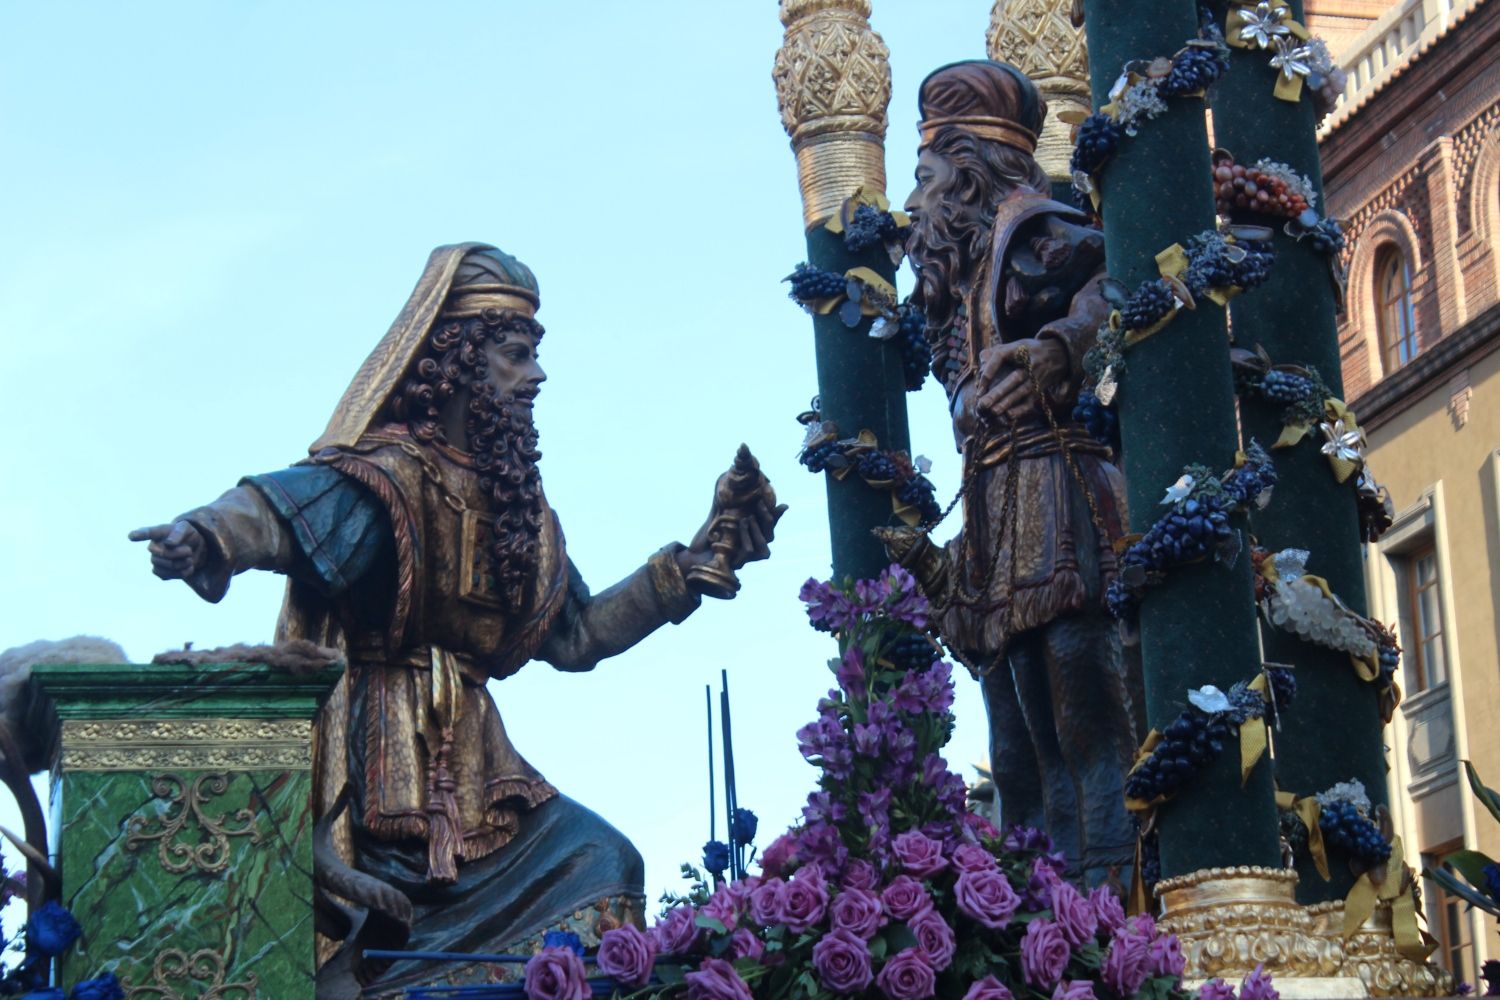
{"points": [[417, 538]]}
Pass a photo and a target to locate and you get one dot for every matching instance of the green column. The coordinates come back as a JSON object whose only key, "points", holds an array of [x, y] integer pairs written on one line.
{"points": [[182, 820], [1333, 732], [1176, 406]]}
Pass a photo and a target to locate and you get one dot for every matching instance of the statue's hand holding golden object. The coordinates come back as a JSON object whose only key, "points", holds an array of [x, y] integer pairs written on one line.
{"points": [[739, 529], [177, 549]]}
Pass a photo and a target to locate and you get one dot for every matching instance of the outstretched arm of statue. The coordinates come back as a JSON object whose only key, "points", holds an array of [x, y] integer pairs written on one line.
{"points": [[207, 546]]}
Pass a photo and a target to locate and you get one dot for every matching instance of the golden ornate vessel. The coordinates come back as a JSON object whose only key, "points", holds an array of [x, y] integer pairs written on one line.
{"points": [[1039, 38]]}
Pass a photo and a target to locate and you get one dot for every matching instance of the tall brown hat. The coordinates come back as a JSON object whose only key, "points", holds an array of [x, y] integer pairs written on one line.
{"points": [[988, 99]]}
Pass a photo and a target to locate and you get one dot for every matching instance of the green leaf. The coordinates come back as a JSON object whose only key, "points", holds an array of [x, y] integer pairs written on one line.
{"points": [[1486, 795], [669, 973], [1469, 864], [899, 937], [712, 923], [807, 983], [878, 947], [1462, 890]]}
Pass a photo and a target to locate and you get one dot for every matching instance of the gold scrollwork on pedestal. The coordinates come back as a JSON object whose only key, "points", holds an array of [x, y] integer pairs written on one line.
{"points": [[210, 856], [207, 744], [1038, 38], [833, 85], [1371, 954], [205, 967]]}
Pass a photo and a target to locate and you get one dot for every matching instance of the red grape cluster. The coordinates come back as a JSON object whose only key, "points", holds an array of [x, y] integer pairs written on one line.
{"points": [[1242, 188]]}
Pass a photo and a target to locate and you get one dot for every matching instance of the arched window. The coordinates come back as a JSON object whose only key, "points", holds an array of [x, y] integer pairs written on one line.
{"points": [[1395, 320]]}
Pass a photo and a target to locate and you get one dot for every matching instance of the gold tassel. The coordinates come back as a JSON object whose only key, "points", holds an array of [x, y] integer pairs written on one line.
{"points": [[444, 828]]}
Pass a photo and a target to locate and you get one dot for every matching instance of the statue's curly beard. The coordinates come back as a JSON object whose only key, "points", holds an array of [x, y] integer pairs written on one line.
{"points": [[943, 248], [503, 443]]}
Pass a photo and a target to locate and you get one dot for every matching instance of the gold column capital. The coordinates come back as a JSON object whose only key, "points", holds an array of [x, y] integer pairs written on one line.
{"points": [[1038, 38]]}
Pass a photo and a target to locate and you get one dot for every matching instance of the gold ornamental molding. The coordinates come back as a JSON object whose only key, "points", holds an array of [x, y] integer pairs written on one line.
{"points": [[178, 744], [1371, 954], [1038, 38], [833, 86], [209, 856], [201, 974]]}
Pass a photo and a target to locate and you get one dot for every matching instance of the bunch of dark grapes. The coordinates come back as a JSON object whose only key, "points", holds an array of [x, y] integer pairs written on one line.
{"points": [[1099, 420], [876, 466], [869, 227], [916, 353], [810, 283], [921, 494], [1187, 534], [1286, 387], [816, 458], [1293, 832], [1283, 687], [1326, 237], [1344, 828], [1245, 704], [1191, 742], [912, 651], [1255, 269], [1098, 137], [1251, 479], [1151, 302], [1390, 662], [1193, 69], [1150, 861]]}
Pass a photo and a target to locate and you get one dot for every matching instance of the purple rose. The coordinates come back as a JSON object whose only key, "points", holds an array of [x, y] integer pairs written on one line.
{"points": [[981, 827], [678, 932], [1142, 924], [1074, 989], [972, 858], [1124, 967], [1074, 914], [1257, 986], [988, 988], [860, 874], [1044, 954], [765, 901], [907, 976], [986, 898], [905, 897], [858, 912], [716, 980], [842, 962], [782, 852], [1107, 908], [557, 974], [1216, 989], [745, 943], [627, 954], [919, 855], [803, 900], [1166, 956], [724, 907], [934, 939]]}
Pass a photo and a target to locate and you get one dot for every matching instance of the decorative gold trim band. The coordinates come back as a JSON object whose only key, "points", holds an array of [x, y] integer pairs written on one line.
{"points": [[832, 168], [460, 305], [207, 744], [982, 127]]}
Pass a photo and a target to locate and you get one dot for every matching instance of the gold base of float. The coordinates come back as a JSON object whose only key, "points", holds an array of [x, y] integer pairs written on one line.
{"points": [[1229, 920]]}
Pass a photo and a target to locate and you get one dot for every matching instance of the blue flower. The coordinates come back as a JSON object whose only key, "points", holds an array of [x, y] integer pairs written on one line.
{"points": [[1492, 881], [563, 939], [105, 987], [744, 826], [53, 993], [716, 857], [51, 930]]}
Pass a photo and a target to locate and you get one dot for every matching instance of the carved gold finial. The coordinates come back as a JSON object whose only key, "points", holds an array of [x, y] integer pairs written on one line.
{"points": [[833, 84], [1038, 37]]}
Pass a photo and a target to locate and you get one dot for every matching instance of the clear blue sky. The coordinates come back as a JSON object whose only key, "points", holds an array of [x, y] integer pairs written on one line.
{"points": [[213, 211]]}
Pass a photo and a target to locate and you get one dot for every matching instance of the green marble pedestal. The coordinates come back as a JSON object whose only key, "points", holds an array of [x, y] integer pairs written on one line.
{"points": [[182, 820]]}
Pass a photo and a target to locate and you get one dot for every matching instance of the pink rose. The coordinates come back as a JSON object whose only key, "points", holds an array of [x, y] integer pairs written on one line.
{"points": [[1124, 967], [678, 932], [723, 907], [858, 912], [860, 874], [627, 954], [934, 939], [905, 897], [981, 827], [988, 988], [1044, 954], [973, 858], [782, 852], [986, 898], [1107, 908], [716, 980], [1216, 989], [745, 943], [918, 854], [1074, 989], [907, 976], [556, 974], [1257, 986], [765, 902], [1166, 956], [803, 900], [1074, 914], [842, 962]]}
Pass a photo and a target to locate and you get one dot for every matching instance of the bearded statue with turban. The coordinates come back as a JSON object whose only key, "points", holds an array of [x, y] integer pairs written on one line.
{"points": [[1009, 281], [416, 538]]}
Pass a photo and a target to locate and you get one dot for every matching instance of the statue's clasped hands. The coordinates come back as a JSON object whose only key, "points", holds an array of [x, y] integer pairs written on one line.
{"points": [[739, 529], [1005, 386]]}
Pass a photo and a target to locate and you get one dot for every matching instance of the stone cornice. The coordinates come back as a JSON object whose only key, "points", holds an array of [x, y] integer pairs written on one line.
{"points": [[1425, 373]]}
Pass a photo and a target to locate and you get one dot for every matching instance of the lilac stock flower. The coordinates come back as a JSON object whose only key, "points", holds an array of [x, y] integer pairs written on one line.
{"points": [[1073, 914], [918, 854], [678, 933], [860, 874], [556, 974], [867, 739], [1257, 986], [1074, 989], [1216, 989], [745, 943], [905, 897], [1166, 957], [765, 902], [974, 858], [988, 988], [851, 673], [1107, 908], [1124, 967], [907, 976], [909, 695], [716, 980], [626, 954], [935, 939], [1044, 954], [857, 911], [841, 960], [804, 900], [827, 606], [1026, 838], [823, 808], [820, 842], [986, 898]]}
